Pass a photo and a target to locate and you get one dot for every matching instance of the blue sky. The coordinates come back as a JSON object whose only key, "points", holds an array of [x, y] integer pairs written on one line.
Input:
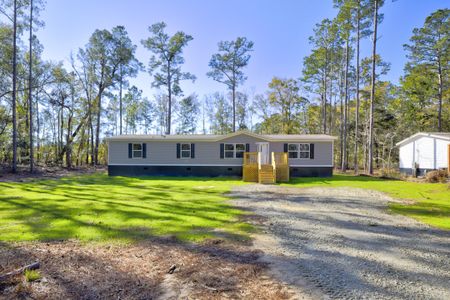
{"points": [[279, 29]]}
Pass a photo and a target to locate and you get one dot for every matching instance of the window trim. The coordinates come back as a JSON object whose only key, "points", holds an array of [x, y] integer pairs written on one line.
{"points": [[234, 150], [181, 151], [298, 151], [132, 150]]}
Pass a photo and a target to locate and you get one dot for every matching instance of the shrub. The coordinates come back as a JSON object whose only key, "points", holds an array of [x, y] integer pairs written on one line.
{"points": [[32, 275], [390, 173], [437, 176]]}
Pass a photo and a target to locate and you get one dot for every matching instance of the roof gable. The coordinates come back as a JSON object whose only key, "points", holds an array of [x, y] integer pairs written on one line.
{"points": [[242, 132], [439, 135]]}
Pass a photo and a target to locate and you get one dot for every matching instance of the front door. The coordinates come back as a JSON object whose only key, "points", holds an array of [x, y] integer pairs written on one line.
{"points": [[263, 150]]}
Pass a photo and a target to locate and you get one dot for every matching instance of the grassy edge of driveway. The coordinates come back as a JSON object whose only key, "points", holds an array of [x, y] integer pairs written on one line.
{"points": [[430, 201]]}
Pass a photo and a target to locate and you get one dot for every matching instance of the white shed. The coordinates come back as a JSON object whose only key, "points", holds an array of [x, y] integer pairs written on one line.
{"points": [[425, 151]]}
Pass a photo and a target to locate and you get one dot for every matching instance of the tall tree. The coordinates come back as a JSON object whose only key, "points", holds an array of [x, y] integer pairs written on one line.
{"points": [[344, 20], [362, 9], [284, 95], [376, 5], [165, 64], [14, 89], [30, 89], [129, 66], [242, 110], [419, 91], [317, 66], [101, 61], [133, 110], [227, 66], [219, 113], [188, 115], [430, 46]]}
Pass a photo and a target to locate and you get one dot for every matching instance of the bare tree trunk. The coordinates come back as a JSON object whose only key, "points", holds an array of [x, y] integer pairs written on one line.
{"points": [[440, 95], [372, 91], [341, 123], [97, 128], [234, 107], [30, 89], [91, 143], [120, 99], [169, 108], [358, 37], [69, 143], [344, 138], [325, 93], [38, 132], [330, 130], [88, 145], [14, 109]]}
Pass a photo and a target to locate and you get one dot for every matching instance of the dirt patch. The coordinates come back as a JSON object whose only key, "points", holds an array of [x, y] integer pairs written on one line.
{"points": [[71, 270], [342, 243], [23, 175]]}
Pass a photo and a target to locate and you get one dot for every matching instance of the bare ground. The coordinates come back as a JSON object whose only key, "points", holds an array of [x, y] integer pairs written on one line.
{"points": [[23, 173], [341, 243], [71, 270]]}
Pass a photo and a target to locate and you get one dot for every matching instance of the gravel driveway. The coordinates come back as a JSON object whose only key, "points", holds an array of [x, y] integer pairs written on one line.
{"points": [[342, 243]]}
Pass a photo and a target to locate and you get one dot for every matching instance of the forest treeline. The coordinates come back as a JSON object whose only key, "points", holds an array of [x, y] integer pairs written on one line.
{"points": [[58, 113]]}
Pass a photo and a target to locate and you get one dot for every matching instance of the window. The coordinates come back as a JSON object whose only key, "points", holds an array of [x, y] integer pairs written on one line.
{"points": [[137, 150], [229, 150], [240, 149], [234, 150], [293, 150], [185, 150], [298, 150], [304, 150]]}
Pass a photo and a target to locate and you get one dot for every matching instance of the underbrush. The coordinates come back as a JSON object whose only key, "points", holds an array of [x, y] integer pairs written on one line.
{"points": [[437, 176]]}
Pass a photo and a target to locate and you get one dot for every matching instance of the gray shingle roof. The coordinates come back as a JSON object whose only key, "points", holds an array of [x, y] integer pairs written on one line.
{"points": [[215, 137]]}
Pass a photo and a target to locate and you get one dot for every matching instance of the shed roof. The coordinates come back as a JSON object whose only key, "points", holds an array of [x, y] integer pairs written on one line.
{"points": [[439, 135]]}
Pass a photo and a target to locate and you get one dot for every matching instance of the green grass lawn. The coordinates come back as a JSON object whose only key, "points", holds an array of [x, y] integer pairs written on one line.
{"points": [[102, 208], [431, 200]]}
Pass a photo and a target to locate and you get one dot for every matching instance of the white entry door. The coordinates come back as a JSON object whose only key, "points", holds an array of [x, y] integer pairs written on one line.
{"points": [[263, 149]]}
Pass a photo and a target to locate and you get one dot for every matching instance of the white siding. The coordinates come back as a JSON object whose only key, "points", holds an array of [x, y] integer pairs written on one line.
{"points": [[406, 156], [424, 154], [428, 152], [441, 153]]}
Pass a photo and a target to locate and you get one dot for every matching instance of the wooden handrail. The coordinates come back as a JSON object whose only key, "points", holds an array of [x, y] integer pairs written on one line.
{"points": [[279, 158], [250, 158]]}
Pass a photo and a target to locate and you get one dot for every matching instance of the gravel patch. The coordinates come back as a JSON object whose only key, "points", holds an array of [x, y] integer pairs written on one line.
{"points": [[342, 243]]}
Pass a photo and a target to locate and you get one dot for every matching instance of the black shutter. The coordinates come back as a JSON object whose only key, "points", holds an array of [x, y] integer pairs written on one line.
{"points": [[222, 150], [178, 150], [247, 147], [311, 151], [192, 150], [144, 150], [285, 147], [130, 150]]}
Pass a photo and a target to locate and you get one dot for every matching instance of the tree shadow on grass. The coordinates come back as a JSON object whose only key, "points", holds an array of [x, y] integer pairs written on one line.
{"points": [[102, 208]]}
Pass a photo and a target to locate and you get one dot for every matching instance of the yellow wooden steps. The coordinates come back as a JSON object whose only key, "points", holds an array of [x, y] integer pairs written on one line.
{"points": [[276, 171], [266, 174]]}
